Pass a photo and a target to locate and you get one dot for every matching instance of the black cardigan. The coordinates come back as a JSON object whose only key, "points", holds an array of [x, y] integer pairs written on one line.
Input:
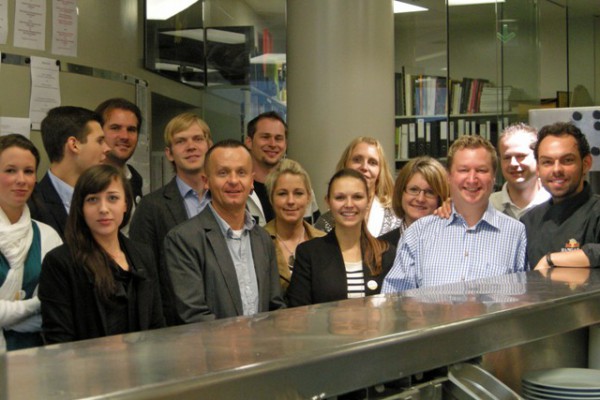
{"points": [[71, 308]]}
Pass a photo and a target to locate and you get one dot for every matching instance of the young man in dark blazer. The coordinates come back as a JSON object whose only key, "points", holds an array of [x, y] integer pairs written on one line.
{"points": [[74, 141], [187, 139], [221, 263]]}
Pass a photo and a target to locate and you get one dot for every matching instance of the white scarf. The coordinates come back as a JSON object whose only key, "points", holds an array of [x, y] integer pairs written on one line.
{"points": [[15, 241]]}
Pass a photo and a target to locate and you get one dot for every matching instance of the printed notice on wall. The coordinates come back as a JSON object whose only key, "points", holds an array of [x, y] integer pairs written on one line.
{"points": [[30, 24], [45, 89], [64, 27], [3, 21], [15, 125]]}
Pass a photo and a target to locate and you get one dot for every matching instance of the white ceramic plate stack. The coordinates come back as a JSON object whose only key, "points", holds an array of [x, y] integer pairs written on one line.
{"points": [[562, 384]]}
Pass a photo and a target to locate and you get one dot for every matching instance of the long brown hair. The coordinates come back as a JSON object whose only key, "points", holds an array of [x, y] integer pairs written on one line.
{"points": [[371, 247], [84, 248]]}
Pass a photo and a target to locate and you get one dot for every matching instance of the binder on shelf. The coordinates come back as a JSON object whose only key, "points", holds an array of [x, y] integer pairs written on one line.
{"points": [[420, 137], [460, 127], [443, 145], [404, 142], [451, 133], [428, 139], [397, 142], [412, 140]]}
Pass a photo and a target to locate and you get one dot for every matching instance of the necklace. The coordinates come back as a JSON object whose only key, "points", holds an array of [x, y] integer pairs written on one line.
{"points": [[292, 257]]}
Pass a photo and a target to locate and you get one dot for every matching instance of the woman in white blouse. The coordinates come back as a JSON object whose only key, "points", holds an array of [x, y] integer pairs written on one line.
{"points": [[23, 244]]}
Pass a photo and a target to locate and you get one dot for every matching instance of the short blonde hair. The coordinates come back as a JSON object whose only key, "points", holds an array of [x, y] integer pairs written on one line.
{"points": [[182, 122], [385, 184], [287, 166], [473, 142], [431, 170]]}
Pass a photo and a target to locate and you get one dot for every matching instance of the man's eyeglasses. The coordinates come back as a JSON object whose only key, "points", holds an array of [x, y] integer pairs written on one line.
{"points": [[415, 191]]}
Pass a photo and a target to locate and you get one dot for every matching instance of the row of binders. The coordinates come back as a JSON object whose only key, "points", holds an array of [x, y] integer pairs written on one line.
{"points": [[426, 95], [434, 137]]}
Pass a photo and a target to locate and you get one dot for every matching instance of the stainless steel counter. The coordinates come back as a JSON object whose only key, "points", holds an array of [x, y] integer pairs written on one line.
{"points": [[312, 352]]}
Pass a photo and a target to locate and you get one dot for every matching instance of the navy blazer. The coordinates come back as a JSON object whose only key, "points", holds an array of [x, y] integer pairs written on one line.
{"points": [[158, 213], [71, 308], [320, 274], [204, 277], [46, 206]]}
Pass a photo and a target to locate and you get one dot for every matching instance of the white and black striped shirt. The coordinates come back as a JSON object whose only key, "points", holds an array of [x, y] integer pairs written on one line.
{"points": [[355, 279]]}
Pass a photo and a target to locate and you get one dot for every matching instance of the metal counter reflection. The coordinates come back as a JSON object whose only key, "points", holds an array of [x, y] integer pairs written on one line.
{"points": [[314, 350]]}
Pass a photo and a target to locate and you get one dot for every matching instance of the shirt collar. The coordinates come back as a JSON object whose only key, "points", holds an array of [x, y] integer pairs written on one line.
{"points": [[226, 230], [563, 210], [64, 190], [183, 187], [490, 217]]}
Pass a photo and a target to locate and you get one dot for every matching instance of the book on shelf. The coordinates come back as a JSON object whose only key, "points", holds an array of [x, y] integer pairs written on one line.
{"points": [[399, 93], [429, 95], [495, 99]]}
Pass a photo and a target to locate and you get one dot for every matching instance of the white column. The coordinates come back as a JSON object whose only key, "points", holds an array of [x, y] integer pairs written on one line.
{"points": [[340, 57]]}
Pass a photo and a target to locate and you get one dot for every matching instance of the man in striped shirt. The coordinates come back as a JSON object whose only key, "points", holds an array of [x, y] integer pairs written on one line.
{"points": [[477, 241]]}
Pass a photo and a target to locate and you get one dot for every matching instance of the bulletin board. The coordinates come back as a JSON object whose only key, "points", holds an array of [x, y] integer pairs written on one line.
{"points": [[81, 86]]}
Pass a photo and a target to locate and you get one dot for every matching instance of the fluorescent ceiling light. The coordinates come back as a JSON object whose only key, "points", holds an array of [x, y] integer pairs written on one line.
{"points": [[472, 2], [213, 35], [269, 58], [401, 7], [165, 9]]}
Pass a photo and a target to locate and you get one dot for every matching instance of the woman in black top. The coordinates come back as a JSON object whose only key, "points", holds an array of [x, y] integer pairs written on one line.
{"points": [[99, 282]]}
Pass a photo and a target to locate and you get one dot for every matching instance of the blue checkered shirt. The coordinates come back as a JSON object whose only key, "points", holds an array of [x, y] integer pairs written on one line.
{"points": [[435, 251]]}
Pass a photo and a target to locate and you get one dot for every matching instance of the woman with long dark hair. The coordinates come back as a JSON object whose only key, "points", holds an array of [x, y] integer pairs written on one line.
{"points": [[23, 244], [99, 283], [348, 262]]}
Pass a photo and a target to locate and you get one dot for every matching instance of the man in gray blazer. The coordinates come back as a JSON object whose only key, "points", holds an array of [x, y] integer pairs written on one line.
{"points": [[221, 263], [187, 139]]}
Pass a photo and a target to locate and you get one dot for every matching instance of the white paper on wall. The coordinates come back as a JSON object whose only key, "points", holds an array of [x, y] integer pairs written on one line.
{"points": [[30, 24], [15, 125], [64, 27], [45, 89], [3, 21]]}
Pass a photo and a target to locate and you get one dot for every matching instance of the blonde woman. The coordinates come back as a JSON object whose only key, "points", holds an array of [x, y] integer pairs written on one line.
{"points": [[365, 155], [289, 190]]}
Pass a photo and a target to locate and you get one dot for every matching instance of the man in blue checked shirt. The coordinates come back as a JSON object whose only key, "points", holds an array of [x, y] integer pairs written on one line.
{"points": [[477, 241]]}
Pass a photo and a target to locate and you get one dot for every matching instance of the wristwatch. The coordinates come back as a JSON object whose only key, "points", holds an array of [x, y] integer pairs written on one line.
{"points": [[549, 259]]}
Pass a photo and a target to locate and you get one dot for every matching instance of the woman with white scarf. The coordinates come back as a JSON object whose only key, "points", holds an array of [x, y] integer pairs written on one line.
{"points": [[23, 244]]}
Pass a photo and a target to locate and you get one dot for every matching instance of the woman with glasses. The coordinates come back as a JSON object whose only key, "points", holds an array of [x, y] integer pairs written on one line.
{"points": [[420, 188]]}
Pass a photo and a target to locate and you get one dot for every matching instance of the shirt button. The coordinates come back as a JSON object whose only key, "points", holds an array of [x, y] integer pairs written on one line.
{"points": [[466, 254]]}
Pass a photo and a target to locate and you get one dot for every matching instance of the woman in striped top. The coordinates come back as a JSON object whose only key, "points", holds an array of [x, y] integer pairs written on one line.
{"points": [[348, 262]]}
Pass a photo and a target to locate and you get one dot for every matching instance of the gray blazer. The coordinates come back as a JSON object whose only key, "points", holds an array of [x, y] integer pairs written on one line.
{"points": [[203, 275], [154, 217]]}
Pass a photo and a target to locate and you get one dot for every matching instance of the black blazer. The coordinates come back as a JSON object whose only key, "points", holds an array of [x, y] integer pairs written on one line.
{"points": [[320, 275], [71, 309], [158, 213], [46, 206], [136, 182]]}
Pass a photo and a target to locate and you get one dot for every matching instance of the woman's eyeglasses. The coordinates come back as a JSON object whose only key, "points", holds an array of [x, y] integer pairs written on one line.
{"points": [[415, 191]]}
